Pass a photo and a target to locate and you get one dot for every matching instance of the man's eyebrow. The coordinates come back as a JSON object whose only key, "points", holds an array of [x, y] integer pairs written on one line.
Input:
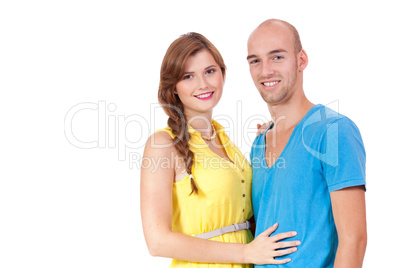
{"points": [[269, 53], [251, 56], [276, 51]]}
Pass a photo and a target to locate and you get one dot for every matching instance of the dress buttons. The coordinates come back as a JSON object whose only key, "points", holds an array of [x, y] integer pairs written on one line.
{"points": [[242, 170], [244, 195], [243, 209], [242, 181]]}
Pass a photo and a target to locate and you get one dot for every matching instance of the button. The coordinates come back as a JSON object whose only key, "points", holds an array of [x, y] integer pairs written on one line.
{"points": [[242, 181], [242, 170], [243, 209], [244, 195]]}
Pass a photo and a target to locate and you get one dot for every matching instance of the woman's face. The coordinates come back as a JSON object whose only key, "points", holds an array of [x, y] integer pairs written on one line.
{"points": [[200, 88]]}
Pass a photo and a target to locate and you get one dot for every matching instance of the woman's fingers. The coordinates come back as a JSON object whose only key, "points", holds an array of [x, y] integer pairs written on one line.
{"points": [[262, 128], [287, 244], [259, 131], [282, 236], [264, 248], [270, 230], [285, 251], [275, 261]]}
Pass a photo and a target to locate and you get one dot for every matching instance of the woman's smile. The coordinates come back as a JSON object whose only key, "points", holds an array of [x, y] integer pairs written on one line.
{"points": [[205, 96]]}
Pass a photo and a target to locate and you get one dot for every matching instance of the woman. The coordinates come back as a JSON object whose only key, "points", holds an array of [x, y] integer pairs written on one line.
{"points": [[194, 180]]}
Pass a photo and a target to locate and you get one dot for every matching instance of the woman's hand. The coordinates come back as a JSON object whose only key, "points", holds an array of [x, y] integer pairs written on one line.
{"points": [[263, 249], [262, 128]]}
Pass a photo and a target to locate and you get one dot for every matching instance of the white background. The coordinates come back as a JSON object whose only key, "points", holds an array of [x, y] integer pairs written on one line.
{"points": [[65, 206]]}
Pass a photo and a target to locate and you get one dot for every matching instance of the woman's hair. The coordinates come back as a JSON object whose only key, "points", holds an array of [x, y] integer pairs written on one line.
{"points": [[171, 73]]}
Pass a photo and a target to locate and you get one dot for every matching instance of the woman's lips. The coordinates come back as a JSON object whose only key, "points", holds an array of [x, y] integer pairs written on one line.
{"points": [[205, 96]]}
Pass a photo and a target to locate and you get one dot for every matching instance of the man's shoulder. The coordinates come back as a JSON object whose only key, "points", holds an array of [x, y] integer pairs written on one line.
{"points": [[323, 117]]}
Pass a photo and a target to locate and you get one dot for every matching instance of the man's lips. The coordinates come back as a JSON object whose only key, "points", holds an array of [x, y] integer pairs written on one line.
{"points": [[271, 83], [205, 96]]}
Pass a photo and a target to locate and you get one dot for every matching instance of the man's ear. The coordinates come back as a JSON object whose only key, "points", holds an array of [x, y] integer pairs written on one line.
{"points": [[302, 59]]}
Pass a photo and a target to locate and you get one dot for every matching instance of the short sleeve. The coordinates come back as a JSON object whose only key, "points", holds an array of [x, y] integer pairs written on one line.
{"points": [[344, 156]]}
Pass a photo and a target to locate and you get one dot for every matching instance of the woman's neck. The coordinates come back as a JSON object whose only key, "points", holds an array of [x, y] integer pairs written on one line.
{"points": [[201, 123]]}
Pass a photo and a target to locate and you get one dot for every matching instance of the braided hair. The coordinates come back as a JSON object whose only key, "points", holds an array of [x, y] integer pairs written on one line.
{"points": [[171, 73]]}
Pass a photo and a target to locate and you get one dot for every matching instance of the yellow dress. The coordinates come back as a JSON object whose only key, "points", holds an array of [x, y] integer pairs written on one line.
{"points": [[224, 195]]}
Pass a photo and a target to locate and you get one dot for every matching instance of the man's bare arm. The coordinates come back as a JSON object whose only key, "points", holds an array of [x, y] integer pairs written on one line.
{"points": [[349, 210]]}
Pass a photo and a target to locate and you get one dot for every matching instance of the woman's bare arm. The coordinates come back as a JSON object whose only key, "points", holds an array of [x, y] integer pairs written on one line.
{"points": [[157, 175]]}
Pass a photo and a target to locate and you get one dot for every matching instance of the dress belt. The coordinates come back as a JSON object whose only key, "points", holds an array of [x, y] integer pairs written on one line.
{"points": [[227, 229]]}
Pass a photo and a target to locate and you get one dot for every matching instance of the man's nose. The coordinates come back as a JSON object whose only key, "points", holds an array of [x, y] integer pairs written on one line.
{"points": [[267, 68]]}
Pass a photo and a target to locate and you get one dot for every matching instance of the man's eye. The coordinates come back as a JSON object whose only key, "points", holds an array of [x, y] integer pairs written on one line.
{"points": [[278, 57], [253, 61]]}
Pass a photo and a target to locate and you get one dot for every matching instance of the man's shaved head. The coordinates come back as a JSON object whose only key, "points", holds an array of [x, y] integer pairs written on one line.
{"points": [[276, 60], [282, 23]]}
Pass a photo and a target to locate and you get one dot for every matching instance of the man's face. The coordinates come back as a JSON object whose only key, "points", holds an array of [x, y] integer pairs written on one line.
{"points": [[273, 63]]}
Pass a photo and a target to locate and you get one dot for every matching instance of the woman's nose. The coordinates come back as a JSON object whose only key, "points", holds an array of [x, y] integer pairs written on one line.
{"points": [[203, 83]]}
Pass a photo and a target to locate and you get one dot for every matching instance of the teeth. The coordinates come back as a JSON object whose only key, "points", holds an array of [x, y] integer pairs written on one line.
{"points": [[270, 84], [204, 95]]}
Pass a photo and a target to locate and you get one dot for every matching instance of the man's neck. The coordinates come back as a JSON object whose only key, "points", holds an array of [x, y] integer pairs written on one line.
{"points": [[287, 115]]}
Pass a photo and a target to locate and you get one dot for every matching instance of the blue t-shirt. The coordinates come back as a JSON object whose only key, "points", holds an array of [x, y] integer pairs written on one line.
{"points": [[325, 153]]}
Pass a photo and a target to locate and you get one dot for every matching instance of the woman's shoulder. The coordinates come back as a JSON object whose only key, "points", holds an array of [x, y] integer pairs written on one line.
{"points": [[162, 136], [166, 130], [160, 142]]}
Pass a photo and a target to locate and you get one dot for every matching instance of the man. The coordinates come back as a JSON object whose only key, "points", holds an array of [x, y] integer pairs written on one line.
{"points": [[309, 166]]}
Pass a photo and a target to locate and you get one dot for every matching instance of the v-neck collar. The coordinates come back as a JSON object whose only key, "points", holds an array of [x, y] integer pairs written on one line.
{"points": [[264, 162]]}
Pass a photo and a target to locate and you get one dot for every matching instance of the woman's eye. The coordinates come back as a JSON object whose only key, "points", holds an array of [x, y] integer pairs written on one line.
{"points": [[210, 71], [188, 76]]}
